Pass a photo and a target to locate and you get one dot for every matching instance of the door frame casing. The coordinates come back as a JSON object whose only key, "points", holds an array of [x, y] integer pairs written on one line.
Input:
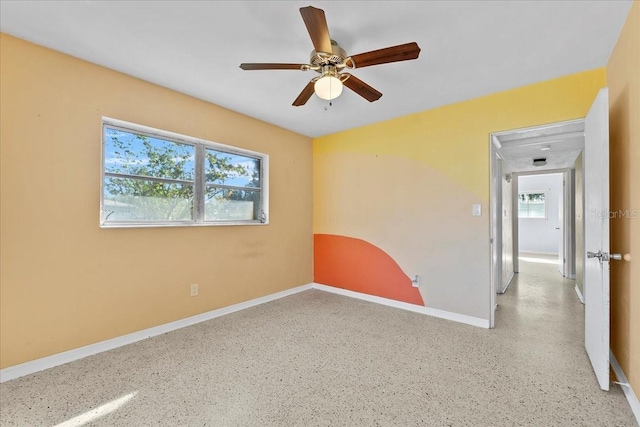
{"points": [[495, 258], [568, 218]]}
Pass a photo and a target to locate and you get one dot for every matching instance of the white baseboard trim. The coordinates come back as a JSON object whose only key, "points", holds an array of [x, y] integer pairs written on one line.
{"points": [[579, 294], [37, 365], [469, 320], [625, 386]]}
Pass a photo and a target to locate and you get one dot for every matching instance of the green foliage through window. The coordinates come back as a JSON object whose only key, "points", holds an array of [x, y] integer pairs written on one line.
{"points": [[150, 179], [532, 205]]}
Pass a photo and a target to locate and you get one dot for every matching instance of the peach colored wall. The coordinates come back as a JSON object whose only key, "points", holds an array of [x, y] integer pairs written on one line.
{"points": [[65, 282], [623, 79], [407, 185]]}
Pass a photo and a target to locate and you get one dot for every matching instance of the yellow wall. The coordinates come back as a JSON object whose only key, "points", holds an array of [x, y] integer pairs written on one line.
{"points": [[623, 79], [65, 282], [454, 138], [407, 185]]}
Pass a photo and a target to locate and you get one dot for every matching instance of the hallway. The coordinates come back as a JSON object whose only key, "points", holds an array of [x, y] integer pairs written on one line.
{"points": [[539, 299]]}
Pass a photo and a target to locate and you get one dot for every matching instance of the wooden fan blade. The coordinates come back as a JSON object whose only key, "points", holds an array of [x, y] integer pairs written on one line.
{"points": [[304, 95], [361, 88], [401, 52], [316, 24], [267, 66]]}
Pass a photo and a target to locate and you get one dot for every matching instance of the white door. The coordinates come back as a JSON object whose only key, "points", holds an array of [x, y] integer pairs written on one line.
{"points": [[596, 237]]}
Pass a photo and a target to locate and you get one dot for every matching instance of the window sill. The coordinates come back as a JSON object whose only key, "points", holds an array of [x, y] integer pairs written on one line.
{"points": [[182, 224]]}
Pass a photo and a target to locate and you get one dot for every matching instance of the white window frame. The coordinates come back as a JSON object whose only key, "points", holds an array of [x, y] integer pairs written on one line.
{"points": [[199, 184], [546, 208]]}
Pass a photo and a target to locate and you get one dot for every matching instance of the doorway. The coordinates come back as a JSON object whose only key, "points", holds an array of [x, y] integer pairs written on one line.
{"points": [[541, 208], [531, 153], [582, 145]]}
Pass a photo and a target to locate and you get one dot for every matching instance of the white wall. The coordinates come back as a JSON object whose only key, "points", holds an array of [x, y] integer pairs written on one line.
{"points": [[540, 235]]}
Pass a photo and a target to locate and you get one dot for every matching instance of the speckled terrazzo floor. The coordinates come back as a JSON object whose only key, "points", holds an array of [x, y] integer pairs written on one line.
{"points": [[318, 359]]}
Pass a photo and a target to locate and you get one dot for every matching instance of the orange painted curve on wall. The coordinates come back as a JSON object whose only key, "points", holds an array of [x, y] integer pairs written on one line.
{"points": [[359, 266]]}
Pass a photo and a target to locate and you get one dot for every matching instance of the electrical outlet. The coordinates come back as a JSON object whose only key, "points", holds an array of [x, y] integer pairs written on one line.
{"points": [[194, 289], [416, 281]]}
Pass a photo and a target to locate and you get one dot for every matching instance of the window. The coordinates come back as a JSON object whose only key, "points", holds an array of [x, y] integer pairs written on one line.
{"points": [[157, 178], [532, 204]]}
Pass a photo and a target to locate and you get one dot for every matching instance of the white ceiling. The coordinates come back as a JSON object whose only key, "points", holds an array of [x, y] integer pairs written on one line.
{"points": [[469, 49], [560, 144]]}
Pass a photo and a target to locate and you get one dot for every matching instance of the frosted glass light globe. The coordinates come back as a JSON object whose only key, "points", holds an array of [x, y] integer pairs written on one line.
{"points": [[328, 87]]}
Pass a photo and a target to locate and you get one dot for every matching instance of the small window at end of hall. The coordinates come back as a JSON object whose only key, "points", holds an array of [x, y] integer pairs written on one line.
{"points": [[152, 177], [532, 204]]}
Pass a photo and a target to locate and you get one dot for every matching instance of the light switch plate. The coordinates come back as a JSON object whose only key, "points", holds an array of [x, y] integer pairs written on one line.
{"points": [[477, 210]]}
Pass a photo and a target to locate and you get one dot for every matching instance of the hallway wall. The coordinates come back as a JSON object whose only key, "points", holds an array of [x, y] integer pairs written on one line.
{"points": [[579, 221], [507, 226]]}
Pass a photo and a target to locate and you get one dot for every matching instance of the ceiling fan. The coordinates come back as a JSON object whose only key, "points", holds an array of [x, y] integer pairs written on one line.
{"points": [[330, 60]]}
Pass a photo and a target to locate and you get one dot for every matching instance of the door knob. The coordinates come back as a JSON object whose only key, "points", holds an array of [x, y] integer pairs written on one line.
{"points": [[604, 256], [594, 254]]}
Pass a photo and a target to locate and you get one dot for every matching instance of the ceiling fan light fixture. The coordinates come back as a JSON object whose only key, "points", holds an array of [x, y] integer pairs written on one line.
{"points": [[328, 87], [329, 60]]}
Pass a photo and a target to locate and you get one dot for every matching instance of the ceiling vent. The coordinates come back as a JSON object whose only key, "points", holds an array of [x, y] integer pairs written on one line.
{"points": [[540, 161]]}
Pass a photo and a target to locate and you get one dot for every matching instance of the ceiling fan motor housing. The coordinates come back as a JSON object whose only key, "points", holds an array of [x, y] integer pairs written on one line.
{"points": [[337, 56]]}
